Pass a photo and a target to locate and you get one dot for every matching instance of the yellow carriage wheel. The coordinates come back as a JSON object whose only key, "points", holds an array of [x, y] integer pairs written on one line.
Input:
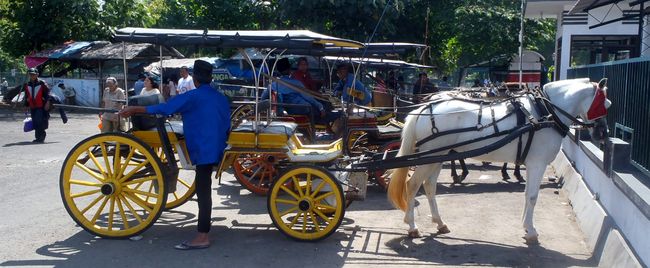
{"points": [[103, 181], [306, 203], [185, 185]]}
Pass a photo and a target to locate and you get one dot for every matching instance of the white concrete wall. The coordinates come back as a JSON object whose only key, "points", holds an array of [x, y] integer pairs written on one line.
{"points": [[612, 224], [617, 28]]}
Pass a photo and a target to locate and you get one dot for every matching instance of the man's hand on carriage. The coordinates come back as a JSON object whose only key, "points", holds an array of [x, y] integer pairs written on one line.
{"points": [[131, 110]]}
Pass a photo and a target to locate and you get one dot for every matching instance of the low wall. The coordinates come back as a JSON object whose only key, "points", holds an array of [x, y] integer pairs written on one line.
{"points": [[610, 204]]}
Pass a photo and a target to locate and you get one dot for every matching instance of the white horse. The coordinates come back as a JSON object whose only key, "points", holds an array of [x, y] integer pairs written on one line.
{"points": [[573, 96]]}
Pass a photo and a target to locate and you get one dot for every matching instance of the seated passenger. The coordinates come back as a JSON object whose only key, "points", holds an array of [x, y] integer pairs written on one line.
{"points": [[302, 75], [286, 95], [350, 88]]}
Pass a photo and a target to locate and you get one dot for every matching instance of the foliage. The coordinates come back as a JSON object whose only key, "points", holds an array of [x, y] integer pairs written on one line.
{"points": [[459, 32], [29, 25]]}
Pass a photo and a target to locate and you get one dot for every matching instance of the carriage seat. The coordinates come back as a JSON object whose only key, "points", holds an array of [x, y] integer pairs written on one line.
{"points": [[275, 127], [172, 126], [315, 153], [270, 136]]}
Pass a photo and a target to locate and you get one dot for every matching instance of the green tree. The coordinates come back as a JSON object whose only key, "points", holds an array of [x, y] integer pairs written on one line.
{"points": [[29, 25]]}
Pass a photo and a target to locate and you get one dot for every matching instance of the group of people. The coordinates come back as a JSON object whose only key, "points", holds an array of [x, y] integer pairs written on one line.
{"points": [[113, 96], [297, 93]]}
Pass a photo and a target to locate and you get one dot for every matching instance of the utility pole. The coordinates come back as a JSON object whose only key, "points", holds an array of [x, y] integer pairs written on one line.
{"points": [[521, 41]]}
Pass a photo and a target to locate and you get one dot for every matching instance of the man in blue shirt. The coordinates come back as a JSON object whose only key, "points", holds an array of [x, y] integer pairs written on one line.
{"points": [[206, 123], [357, 93], [287, 95]]}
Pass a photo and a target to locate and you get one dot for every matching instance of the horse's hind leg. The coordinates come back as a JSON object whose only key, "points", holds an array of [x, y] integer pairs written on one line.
{"points": [[422, 173], [454, 175], [518, 173], [465, 170], [534, 174], [504, 172], [430, 186]]}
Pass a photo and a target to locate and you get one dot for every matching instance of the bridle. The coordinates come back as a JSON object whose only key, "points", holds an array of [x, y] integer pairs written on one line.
{"points": [[594, 108]]}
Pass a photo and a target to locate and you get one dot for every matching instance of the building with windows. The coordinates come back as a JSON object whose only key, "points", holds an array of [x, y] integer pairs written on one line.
{"points": [[595, 31]]}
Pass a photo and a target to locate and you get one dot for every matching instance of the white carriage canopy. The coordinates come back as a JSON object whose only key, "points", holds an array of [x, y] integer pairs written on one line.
{"points": [[285, 39]]}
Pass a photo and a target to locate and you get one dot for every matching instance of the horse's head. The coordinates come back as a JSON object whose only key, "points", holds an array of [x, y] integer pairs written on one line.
{"points": [[596, 113]]}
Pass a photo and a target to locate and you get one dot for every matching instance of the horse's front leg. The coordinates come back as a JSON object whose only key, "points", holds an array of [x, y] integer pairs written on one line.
{"points": [[430, 186], [534, 174]]}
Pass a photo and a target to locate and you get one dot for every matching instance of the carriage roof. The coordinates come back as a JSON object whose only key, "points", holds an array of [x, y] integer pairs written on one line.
{"points": [[283, 39], [376, 62]]}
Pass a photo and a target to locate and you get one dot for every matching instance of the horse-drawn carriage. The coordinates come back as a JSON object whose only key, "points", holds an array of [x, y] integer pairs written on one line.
{"points": [[118, 184]]}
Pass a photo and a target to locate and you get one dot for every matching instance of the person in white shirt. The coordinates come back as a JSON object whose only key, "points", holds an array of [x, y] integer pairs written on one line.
{"points": [[151, 88], [186, 83]]}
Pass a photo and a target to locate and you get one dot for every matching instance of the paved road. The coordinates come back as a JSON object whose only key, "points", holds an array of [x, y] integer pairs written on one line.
{"points": [[484, 217]]}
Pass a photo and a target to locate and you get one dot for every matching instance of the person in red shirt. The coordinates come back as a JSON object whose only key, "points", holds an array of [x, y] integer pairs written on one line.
{"points": [[302, 74], [37, 95]]}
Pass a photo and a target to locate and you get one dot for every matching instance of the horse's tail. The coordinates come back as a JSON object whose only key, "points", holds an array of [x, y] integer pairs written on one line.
{"points": [[398, 176]]}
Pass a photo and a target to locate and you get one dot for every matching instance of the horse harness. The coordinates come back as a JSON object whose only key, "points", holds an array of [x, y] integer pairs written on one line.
{"points": [[525, 121]]}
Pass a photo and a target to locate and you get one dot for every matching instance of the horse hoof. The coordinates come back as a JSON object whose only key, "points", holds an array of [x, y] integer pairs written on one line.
{"points": [[414, 234], [520, 179], [443, 230], [533, 240]]}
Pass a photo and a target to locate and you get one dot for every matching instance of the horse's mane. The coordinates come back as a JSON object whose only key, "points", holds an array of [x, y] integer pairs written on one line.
{"points": [[554, 86]]}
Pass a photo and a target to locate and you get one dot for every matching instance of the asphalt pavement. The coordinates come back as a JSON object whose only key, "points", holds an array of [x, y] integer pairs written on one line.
{"points": [[484, 216]]}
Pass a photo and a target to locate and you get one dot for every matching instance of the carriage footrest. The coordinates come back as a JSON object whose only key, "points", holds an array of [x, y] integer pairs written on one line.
{"points": [[357, 186]]}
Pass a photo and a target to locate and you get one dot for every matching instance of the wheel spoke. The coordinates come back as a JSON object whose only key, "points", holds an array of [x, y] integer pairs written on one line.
{"points": [[284, 188], [285, 201], [140, 180], [292, 209], [319, 198], [148, 191], [128, 204], [295, 219], [94, 159], [318, 188], [304, 222], [84, 193], [93, 174], [122, 214], [319, 213], [175, 196], [137, 201], [110, 213], [101, 208], [133, 171], [326, 206], [184, 183], [92, 204], [126, 164], [116, 159], [297, 186], [308, 188], [148, 194], [315, 220], [105, 155], [85, 183]]}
